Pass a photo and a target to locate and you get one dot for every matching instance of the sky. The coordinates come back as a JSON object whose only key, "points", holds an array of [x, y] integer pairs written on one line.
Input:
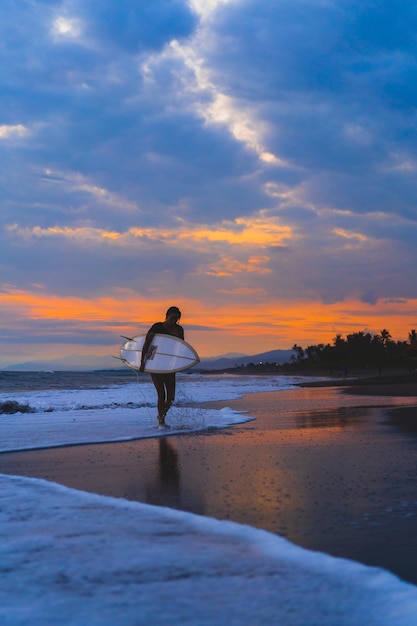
{"points": [[252, 163]]}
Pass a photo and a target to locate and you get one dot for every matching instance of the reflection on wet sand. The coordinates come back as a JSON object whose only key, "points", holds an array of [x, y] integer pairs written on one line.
{"points": [[163, 487]]}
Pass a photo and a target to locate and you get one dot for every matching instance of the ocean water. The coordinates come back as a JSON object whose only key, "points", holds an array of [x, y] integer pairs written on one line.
{"points": [[47, 409], [122, 389], [72, 557], [14, 381]]}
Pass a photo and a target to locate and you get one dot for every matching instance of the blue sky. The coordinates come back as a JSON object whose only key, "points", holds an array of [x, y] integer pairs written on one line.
{"points": [[252, 162]]}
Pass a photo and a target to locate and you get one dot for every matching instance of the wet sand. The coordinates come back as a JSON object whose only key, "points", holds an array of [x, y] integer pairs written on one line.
{"points": [[330, 469]]}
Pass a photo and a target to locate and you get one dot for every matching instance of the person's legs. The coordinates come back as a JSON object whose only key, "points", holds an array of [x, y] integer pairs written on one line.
{"points": [[159, 383], [169, 381]]}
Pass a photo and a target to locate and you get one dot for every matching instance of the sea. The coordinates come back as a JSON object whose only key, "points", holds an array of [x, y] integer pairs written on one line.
{"points": [[51, 409], [26, 381], [71, 557], [115, 389]]}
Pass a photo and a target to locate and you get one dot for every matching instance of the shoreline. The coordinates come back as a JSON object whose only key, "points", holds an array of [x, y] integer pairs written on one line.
{"points": [[390, 384]]}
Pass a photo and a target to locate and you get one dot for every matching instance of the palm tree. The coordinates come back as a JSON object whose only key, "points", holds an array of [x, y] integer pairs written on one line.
{"points": [[299, 353], [385, 336], [412, 337]]}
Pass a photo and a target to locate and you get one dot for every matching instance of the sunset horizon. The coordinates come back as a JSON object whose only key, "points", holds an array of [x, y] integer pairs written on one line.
{"points": [[95, 327]]}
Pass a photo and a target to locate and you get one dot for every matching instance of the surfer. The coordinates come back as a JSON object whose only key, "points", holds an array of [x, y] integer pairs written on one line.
{"points": [[164, 383]]}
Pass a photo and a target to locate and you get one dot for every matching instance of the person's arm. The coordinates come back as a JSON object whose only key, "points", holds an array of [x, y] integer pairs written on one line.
{"points": [[146, 345]]}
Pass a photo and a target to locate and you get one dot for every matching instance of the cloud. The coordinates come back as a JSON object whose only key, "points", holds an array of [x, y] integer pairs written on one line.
{"points": [[12, 131], [136, 26], [143, 257], [319, 77], [230, 153]]}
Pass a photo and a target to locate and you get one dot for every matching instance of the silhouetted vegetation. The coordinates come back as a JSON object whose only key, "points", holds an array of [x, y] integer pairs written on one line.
{"points": [[359, 351]]}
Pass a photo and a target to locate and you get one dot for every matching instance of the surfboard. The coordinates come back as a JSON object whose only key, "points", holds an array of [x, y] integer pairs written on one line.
{"points": [[166, 354]]}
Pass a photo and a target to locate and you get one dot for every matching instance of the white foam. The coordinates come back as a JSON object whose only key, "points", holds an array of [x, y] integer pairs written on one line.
{"points": [[74, 558], [45, 430]]}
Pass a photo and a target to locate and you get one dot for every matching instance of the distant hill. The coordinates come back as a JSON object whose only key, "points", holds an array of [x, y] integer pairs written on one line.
{"points": [[225, 362], [93, 362], [69, 363]]}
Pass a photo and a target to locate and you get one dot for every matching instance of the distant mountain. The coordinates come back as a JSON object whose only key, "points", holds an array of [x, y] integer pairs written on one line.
{"points": [[93, 362], [69, 363], [225, 362]]}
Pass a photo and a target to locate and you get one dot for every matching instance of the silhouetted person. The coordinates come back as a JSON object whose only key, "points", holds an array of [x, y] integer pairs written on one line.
{"points": [[164, 383]]}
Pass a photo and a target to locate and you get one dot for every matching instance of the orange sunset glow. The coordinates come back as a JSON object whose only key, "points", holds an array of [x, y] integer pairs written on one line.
{"points": [[246, 328]]}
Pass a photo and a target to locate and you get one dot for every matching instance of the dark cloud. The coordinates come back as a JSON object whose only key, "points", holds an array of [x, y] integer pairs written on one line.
{"points": [[88, 110], [71, 266], [336, 81], [315, 47], [137, 25]]}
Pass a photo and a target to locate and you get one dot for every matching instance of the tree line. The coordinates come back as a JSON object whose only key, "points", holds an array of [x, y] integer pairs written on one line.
{"points": [[359, 350]]}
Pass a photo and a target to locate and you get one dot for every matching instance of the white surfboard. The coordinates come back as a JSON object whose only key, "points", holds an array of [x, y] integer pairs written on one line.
{"points": [[166, 354]]}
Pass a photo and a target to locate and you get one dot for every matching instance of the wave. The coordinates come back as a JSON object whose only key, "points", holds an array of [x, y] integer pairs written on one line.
{"points": [[11, 406]]}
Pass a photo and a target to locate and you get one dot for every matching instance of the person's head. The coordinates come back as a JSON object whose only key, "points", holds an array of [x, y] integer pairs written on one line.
{"points": [[173, 314]]}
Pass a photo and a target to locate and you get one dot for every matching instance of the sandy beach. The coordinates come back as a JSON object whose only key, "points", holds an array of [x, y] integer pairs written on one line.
{"points": [[331, 469]]}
